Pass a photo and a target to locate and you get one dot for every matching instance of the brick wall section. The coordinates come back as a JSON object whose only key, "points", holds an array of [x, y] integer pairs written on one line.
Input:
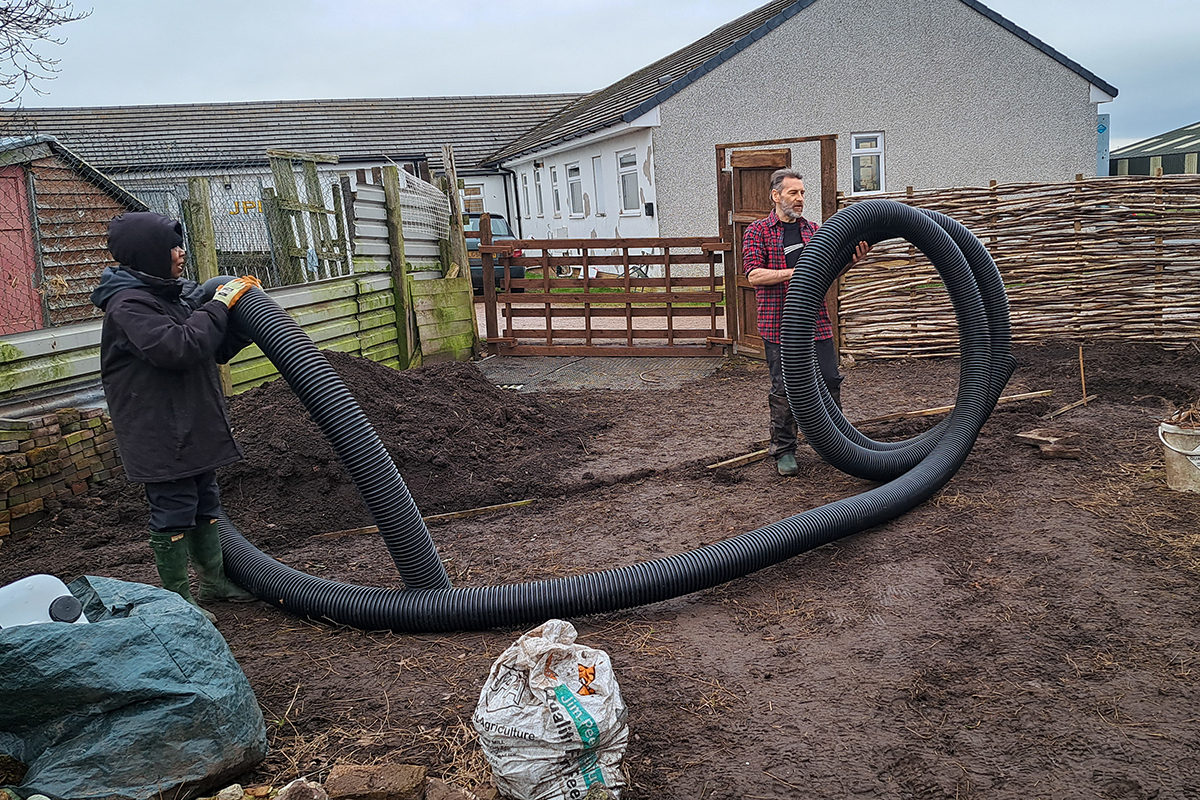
{"points": [[48, 458]]}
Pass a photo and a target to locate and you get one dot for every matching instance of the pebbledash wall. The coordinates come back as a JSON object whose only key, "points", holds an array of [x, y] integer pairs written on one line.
{"points": [[48, 458]]}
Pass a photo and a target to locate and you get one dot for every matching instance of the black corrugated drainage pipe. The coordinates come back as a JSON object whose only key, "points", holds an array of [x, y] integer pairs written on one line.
{"points": [[914, 470]]}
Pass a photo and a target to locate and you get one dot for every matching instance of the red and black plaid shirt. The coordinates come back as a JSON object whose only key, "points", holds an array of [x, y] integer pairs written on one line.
{"points": [[762, 248]]}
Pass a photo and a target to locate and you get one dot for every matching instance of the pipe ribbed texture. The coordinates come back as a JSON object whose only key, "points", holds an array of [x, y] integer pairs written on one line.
{"points": [[914, 470]]}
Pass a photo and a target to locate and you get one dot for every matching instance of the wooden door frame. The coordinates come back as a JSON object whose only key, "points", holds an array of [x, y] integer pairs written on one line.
{"points": [[829, 205]]}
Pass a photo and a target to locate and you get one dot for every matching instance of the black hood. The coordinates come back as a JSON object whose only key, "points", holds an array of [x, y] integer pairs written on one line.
{"points": [[142, 241]]}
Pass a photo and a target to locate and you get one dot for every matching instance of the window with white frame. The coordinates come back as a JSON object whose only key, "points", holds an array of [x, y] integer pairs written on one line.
{"points": [[537, 190], [631, 202], [574, 190], [554, 191], [598, 185], [472, 197], [866, 162], [525, 192]]}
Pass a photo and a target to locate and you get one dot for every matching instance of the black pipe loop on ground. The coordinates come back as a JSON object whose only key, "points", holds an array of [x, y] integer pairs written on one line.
{"points": [[429, 604]]}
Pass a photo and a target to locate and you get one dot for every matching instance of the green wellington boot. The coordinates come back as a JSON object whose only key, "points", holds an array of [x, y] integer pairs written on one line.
{"points": [[171, 558], [204, 543]]}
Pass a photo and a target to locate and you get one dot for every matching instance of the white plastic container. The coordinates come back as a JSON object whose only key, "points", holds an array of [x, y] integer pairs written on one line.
{"points": [[38, 598], [1181, 452]]}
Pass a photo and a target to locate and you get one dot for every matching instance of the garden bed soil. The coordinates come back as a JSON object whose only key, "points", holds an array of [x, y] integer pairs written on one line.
{"points": [[1029, 632]]}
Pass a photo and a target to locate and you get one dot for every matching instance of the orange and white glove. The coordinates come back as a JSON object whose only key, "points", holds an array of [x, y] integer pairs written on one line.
{"points": [[230, 292]]}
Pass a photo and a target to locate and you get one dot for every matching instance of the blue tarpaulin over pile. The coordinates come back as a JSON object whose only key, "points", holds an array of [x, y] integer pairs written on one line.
{"points": [[145, 701]]}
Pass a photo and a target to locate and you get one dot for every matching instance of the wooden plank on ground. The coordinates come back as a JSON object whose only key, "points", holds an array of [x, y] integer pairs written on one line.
{"points": [[1041, 436], [464, 514], [758, 455]]}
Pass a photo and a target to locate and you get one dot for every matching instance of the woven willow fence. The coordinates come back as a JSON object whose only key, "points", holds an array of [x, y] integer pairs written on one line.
{"points": [[1101, 258]]}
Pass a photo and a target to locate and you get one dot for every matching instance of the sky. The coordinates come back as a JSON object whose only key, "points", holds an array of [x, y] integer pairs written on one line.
{"points": [[135, 52]]}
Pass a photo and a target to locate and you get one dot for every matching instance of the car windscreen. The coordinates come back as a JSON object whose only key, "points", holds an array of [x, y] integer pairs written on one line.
{"points": [[499, 227]]}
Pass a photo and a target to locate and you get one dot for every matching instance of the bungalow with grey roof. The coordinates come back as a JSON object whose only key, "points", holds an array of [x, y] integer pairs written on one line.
{"points": [[922, 93]]}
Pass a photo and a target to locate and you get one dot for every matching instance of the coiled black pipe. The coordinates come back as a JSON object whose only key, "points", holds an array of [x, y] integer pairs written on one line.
{"points": [[428, 605], [981, 308]]}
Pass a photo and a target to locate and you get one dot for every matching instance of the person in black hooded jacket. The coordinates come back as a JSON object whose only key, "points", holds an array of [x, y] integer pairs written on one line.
{"points": [[160, 345]]}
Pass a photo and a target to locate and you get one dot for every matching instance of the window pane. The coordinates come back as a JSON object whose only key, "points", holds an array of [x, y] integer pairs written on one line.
{"points": [[866, 173], [575, 194], [598, 184], [573, 172], [866, 142], [627, 160], [629, 192]]}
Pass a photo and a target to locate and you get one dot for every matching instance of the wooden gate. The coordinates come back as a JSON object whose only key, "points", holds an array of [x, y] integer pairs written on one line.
{"points": [[597, 297], [744, 196], [296, 258]]}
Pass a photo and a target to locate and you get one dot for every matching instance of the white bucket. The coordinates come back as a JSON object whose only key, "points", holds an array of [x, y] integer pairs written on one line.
{"points": [[1182, 455], [38, 598]]}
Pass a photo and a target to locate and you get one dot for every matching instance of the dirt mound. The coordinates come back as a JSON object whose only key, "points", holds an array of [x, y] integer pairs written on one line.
{"points": [[458, 441]]}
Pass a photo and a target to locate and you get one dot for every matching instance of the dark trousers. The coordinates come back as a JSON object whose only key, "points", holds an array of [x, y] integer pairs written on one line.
{"points": [[783, 424], [177, 505]]}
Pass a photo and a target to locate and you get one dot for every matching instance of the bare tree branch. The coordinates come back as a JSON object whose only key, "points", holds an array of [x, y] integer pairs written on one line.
{"points": [[24, 25]]}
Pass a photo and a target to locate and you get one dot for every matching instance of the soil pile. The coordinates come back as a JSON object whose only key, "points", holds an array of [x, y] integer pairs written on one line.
{"points": [[458, 441]]}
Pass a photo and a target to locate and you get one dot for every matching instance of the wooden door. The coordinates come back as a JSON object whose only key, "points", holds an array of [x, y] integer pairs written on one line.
{"points": [[20, 303], [750, 201]]}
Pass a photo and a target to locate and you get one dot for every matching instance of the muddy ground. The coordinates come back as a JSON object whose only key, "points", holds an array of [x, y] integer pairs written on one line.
{"points": [[1028, 633]]}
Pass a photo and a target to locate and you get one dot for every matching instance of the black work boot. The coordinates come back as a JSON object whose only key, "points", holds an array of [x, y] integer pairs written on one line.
{"points": [[204, 543], [171, 558]]}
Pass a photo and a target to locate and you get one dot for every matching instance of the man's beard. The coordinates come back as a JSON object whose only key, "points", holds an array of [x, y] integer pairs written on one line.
{"points": [[787, 213]]}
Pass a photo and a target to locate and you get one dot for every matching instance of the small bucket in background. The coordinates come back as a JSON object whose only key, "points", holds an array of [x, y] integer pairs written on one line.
{"points": [[1182, 455]]}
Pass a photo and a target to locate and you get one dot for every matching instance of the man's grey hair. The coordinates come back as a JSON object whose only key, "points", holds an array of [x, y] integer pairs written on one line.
{"points": [[778, 176]]}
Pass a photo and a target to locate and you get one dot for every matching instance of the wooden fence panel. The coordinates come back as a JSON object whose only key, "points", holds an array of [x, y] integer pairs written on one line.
{"points": [[1086, 260]]}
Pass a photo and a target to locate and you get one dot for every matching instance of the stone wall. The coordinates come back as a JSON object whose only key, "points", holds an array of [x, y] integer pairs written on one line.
{"points": [[47, 458]]}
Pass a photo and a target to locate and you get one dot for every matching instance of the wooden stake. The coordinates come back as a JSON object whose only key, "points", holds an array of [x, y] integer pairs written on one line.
{"points": [[928, 412], [469, 512], [1070, 406], [758, 455], [749, 458], [1082, 379]]}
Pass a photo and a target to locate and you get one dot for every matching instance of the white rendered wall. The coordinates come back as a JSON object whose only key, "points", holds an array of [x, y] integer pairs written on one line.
{"points": [[612, 223], [960, 101]]}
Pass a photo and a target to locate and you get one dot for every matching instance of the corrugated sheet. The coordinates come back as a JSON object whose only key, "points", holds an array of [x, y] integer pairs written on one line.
{"points": [[136, 138], [1180, 140]]}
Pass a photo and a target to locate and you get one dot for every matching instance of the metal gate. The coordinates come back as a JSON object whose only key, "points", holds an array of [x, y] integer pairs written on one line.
{"points": [[630, 297]]}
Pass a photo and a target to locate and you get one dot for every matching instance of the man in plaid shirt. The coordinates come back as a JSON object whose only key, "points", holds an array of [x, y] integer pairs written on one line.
{"points": [[770, 249]]}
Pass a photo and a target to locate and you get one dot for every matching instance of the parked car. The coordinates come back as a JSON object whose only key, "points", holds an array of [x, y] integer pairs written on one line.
{"points": [[500, 230]]}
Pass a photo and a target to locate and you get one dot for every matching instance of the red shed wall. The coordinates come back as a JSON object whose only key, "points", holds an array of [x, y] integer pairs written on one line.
{"points": [[73, 216], [20, 304]]}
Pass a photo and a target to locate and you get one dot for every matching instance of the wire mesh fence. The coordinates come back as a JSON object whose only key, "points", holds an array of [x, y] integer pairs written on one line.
{"points": [[285, 218]]}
